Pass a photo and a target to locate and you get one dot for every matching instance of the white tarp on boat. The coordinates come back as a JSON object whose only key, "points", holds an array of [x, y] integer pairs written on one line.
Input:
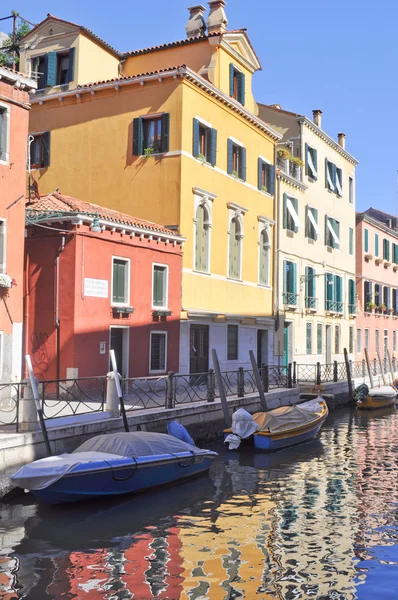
{"points": [[243, 426], [41, 473], [288, 417], [383, 392], [137, 443]]}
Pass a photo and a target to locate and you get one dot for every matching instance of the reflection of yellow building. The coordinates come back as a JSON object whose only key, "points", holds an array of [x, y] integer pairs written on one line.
{"points": [[175, 138]]}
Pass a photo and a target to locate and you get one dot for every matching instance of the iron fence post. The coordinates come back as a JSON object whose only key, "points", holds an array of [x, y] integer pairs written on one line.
{"points": [[289, 375], [265, 377], [335, 373], [363, 367], [170, 390], [241, 382], [294, 372], [211, 391], [318, 373]]}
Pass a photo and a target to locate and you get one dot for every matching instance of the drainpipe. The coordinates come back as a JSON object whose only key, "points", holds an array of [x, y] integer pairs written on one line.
{"points": [[57, 320], [26, 312]]}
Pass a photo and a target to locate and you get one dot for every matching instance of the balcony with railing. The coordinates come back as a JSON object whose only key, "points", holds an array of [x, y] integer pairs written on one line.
{"points": [[334, 306], [311, 303], [352, 309], [290, 300], [290, 168]]}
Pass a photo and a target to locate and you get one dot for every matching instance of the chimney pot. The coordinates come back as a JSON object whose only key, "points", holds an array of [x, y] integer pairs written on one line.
{"points": [[341, 139], [317, 117], [217, 20], [196, 25]]}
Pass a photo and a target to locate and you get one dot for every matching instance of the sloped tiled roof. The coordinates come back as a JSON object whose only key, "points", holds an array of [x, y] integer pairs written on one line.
{"points": [[183, 42], [57, 202], [127, 78]]}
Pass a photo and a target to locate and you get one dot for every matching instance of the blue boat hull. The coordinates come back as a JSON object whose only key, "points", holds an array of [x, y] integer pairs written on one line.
{"points": [[118, 480], [269, 444]]}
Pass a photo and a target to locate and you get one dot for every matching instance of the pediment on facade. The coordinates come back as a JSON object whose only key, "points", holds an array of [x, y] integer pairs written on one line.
{"points": [[51, 28], [240, 46]]}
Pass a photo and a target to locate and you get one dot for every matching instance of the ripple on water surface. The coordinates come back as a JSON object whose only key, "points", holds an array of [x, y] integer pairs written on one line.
{"points": [[316, 521]]}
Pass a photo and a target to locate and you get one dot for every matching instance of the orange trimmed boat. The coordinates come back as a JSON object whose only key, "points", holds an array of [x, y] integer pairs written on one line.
{"points": [[375, 398]]}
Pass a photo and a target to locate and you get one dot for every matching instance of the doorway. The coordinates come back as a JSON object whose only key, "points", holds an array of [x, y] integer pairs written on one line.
{"points": [[119, 342], [328, 344], [262, 347], [287, 343], [199, 349]]}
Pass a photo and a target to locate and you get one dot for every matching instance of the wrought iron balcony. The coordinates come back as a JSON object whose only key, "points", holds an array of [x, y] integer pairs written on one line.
{"points": [[334, 306], [311, 303], [352, 309], [290, 168], [290, 299]]}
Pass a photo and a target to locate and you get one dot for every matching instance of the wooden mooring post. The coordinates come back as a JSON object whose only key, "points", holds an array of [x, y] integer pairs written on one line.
{"points": [[349, 378], [220, 385], [38, 405], [258, 381], [369, 369]]}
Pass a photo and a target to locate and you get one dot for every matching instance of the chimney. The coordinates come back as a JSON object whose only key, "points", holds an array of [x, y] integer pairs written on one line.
{"points": [[196, 25], [317, 117], [341, 139], [217, 20]]}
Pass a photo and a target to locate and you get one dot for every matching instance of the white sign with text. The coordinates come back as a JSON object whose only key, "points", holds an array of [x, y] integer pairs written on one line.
{"points": [[97, 288]]}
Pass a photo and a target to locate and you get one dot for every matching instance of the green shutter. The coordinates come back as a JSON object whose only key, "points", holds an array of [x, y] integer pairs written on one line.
{"points": [[233, 251], [165, 129], [285, 272], [46, 149], [326, 230], [230, 163], [71, 69], [306, 160], [51, 71], [138, 136], [366, 240], [271, 184], [231, 79], [159, 274], [336, 229], [195, 141], [326, 174], [351, 241], [307, 281], [213, 147], [339, 288], [285, 211], [315, 215], [259, 174], [294, 201], [315, 161], [376, 244], [241, 88], [118, 294], [307, 222], [334, 176], [294, 278], [242, 165]]}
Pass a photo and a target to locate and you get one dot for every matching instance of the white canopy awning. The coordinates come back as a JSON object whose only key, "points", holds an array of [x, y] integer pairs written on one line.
{"points": [[332, 232], [311, 164], [291, 209], [314, 223], [338, 185], [328, 178]]}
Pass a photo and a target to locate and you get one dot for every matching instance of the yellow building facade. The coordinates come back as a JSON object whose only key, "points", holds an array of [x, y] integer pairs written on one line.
{"points": [[174, 138]]}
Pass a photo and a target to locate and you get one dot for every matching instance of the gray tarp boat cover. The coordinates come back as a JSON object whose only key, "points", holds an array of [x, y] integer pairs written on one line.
{"points": [[383, 392], [42, 473]]}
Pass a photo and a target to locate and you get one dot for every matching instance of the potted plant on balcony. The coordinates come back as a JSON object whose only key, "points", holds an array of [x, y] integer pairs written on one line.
{"points": [[378, 260], [390, 311], [201, 157], [148, 152], [296, 160], [370, 306], [6, 283], [368, 257], [284, 154], [382, 308]]}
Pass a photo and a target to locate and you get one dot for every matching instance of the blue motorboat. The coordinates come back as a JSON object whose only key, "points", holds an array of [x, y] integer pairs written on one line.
{"points": [[113, 464]]}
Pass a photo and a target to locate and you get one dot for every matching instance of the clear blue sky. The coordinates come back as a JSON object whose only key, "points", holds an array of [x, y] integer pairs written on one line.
{"points": [[338, 56]]}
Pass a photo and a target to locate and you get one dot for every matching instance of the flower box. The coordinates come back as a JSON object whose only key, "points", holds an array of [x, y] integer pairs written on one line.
{"points": [[378, 261], [122, 311], [387, 264], [368, 257]]}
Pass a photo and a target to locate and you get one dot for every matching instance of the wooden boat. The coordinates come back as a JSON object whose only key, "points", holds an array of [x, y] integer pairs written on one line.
{"points": [[375, 398], [111, 465], [282, 427]]}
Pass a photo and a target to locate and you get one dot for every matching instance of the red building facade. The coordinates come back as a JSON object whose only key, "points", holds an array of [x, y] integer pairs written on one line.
{"points": [[14, 116], [97, 279]]}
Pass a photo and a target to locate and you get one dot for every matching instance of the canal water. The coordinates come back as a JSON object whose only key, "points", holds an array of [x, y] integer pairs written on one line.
{"points": [[317, 521]]}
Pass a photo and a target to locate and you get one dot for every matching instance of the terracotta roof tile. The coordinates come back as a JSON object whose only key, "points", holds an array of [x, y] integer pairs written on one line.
{"points": [[192, 40], [57, 202], [125, 78]]}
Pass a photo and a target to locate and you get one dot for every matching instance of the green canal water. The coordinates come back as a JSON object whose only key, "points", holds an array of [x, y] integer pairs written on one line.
{"points": [[317, 521]]}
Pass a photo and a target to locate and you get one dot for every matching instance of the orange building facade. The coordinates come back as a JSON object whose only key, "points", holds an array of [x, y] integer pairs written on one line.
{"points": [[14, 120]]}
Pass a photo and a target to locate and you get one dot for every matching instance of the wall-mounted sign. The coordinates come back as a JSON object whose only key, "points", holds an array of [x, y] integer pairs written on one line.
{"points": [[97, 288], [102, 347]]}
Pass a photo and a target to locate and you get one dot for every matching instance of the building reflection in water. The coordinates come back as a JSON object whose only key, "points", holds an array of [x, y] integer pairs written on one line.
{"points": [[311, 522]]}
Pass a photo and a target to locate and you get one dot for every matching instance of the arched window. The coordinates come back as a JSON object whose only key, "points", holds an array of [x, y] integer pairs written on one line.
{"points": [[202, 231], [265, 247], [235, 248]]}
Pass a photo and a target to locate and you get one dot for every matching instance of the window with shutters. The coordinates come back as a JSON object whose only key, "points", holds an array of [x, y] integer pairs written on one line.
{"points": [[311, 162], [4, 133], [235, 248], [385, 347], [386, 298], [58, 67], [319, 341], [395, 301], [366, 343], [351, 241], [266, 176], [232, 342], [386, 249], [204, 142], [339, 182], [151, 135], [334, 293], [352, 297], [366, 240], [160, 286], [378, 297], [368, 296], [236, 84], [158, 352], [309, 338], [62, 68], [236, 160], [337, 339], [265, 252], [377, 340], [120, 281], [310, 289], [202, 238], [350, 340], [376, 245], [359, 340], [40, 150], [3, 239], [330, 175], [332, 233], [351, 190], [394, 253], [291, 220], [311, 223], [38, 71], [290, 296]]}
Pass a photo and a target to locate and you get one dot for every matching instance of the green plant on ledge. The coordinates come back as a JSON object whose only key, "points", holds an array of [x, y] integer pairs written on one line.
{"points": [[148, 152], [284, 154], [264, 188], [235, 174], [296, 160], [201, 157], [370, 306]]}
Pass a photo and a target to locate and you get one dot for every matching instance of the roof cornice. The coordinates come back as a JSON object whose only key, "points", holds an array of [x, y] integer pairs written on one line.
{"points": [[291, 181], [251, 65], [18, 80], [326, 138], [367, 219], [183, 72]]}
